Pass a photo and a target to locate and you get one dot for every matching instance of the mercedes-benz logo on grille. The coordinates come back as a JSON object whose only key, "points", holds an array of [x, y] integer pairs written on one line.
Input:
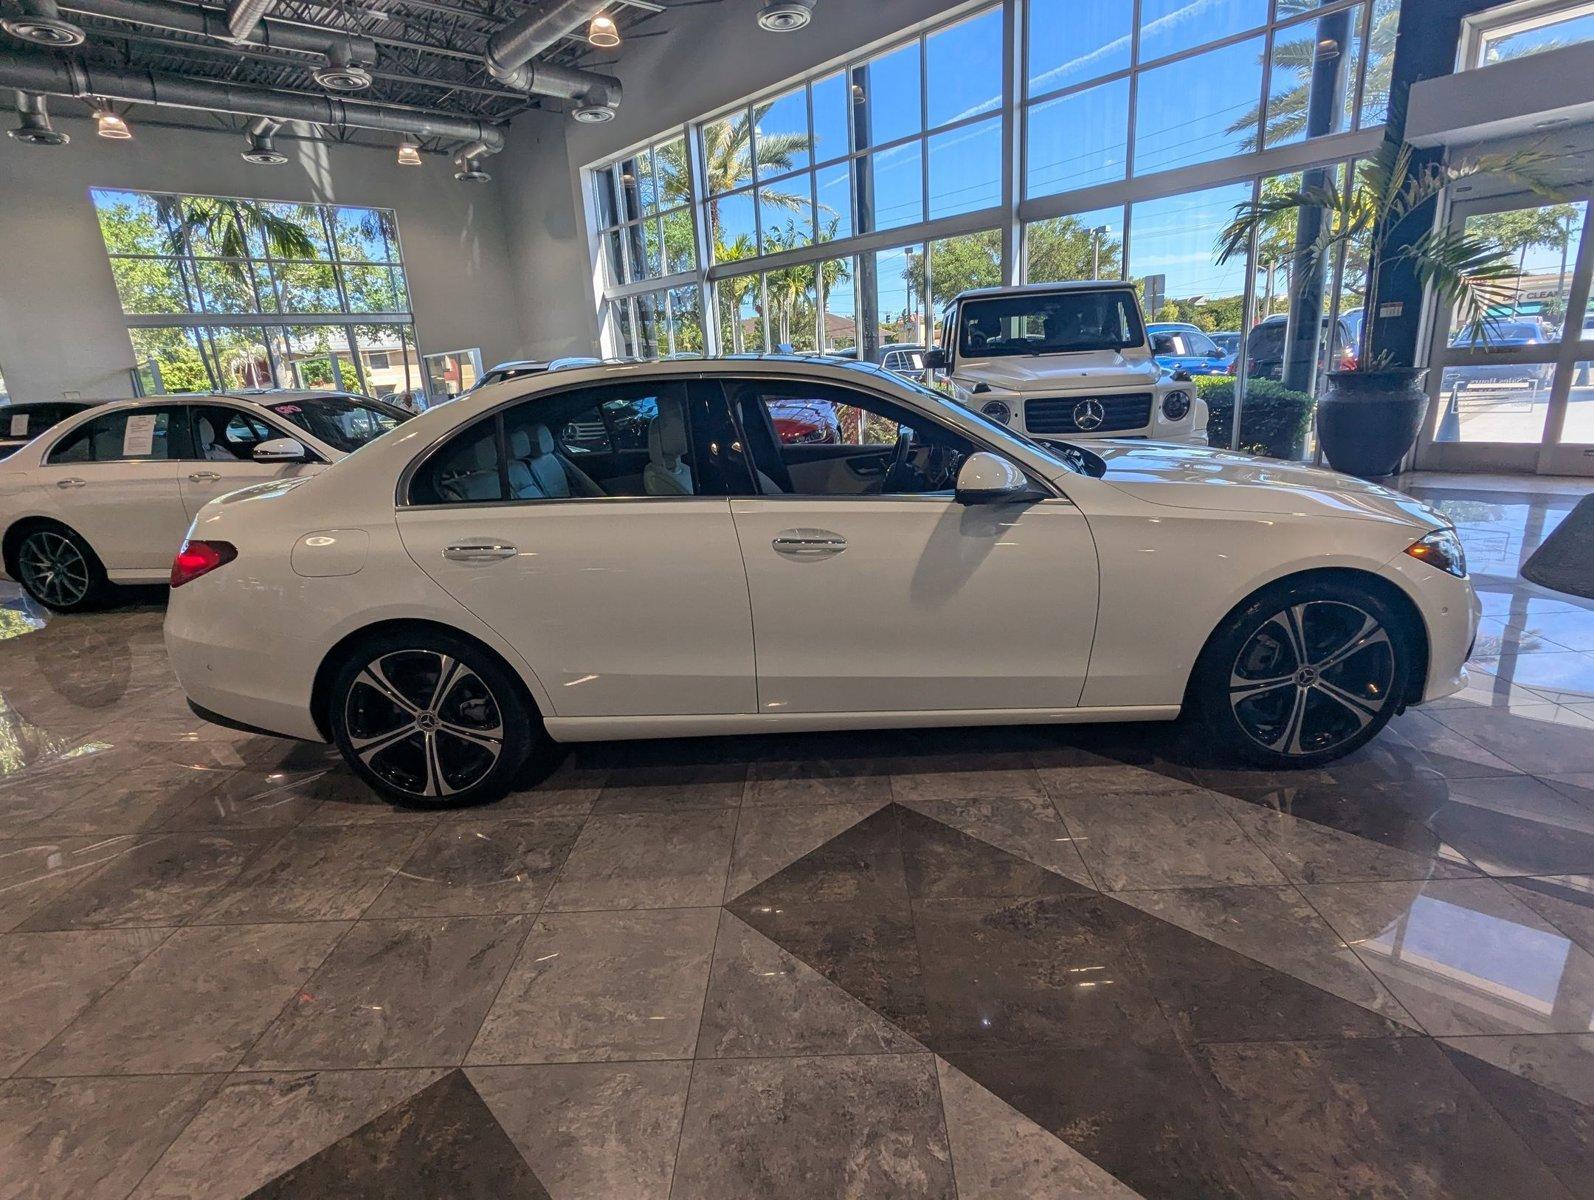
{"points": [[1089, 414]]}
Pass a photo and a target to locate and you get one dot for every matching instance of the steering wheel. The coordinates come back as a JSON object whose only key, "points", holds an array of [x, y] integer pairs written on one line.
{"points": [[901, 476]]}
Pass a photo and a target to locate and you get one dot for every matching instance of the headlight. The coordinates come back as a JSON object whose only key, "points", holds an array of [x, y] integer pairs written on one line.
{"points": [[1442, 549], [997, 410], [1176, 406]]}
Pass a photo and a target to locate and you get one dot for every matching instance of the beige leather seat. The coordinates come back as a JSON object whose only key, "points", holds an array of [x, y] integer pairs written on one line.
{"points": [[548, 475], [667, 473]]}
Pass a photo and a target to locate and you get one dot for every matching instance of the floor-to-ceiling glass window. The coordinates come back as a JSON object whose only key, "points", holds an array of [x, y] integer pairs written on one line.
{"points": [[839, 212], [228, 293]]}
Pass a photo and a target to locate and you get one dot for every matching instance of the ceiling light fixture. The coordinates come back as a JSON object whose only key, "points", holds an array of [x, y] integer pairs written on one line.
{"points": [[785, 16], [409, 153], [603, 33], [109, 125]]}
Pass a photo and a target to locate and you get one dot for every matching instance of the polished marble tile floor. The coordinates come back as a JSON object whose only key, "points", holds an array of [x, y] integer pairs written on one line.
{"points": [[1002, 963]]}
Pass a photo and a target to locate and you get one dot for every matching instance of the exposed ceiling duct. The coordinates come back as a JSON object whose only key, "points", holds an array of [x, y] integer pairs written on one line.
{"points": [[261, 151], [511, 50], [345, 53], [48, 75], [40, 23], [34, 126], [243, 16]]}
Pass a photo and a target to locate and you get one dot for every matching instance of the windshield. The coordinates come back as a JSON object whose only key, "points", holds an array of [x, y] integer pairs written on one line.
{"points": [[1049, 323], [339, 421]]}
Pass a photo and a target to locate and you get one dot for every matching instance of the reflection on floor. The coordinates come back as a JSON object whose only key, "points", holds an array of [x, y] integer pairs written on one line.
{"points": [[978, 963]]}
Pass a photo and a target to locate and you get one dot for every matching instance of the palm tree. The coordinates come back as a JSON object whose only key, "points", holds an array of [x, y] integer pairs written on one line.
{"points": [[1286, 111], [227, 225], [1464, 269]]}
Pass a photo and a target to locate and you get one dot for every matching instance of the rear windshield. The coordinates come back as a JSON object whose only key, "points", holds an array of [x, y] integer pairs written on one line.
{"points": [[341, 422], [1049, 323]]}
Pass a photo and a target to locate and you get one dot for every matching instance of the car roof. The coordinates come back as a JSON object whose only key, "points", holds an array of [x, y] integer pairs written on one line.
{"points": [[1026, 289]]}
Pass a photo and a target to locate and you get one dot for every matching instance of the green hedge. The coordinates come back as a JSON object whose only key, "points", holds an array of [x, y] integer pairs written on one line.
{"points": [[1274, 420]]}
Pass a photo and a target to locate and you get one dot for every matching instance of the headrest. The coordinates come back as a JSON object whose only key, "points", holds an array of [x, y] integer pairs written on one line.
{"points": [[667, 434], [531, 441], [207, 431]]}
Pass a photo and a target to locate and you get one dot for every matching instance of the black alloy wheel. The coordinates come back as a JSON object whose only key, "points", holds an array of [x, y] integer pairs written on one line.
{"points": [[1303, 677], [432, 721]]}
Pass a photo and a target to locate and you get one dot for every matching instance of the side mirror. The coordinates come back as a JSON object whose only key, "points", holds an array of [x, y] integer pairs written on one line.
{"points": [[987, 478], [935, 359], [284, 449]]}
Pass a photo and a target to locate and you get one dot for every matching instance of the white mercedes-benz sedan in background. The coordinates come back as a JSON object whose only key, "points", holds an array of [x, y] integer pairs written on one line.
{"points": [[631, 551], [106, 495]]}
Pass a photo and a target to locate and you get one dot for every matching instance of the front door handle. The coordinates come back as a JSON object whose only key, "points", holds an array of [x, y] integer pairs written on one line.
{"points": [[808, 543], [204, 477], [70, 483], [479, 552]]}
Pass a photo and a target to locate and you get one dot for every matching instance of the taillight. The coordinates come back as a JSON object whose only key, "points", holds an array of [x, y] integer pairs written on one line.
{"points": [[200, 558]]}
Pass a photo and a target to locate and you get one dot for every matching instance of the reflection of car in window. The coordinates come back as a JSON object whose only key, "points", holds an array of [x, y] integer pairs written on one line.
{"points": [[342, 422], [1064, 360], [805, 422]]}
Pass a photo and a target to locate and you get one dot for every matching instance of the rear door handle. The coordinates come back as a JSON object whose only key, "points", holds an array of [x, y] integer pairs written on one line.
{"points": [[479, 552], [70, 483], [808, 543], [204, 477]]}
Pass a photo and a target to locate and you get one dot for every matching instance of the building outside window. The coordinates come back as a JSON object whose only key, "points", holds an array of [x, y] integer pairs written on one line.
{"points": [[1519, 30], [210, 308], [840, 211]]}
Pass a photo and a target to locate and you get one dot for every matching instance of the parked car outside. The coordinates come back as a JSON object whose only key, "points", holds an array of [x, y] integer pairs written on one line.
{"points": [[1067, 360], [1186, 348], [21, 423], [104, 496], [1264, 348], [1228, 342], [444, 608]]}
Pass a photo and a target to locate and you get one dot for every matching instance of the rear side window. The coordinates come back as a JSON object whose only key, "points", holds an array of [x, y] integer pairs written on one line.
{"points": [[464, 471], [138, 435]]}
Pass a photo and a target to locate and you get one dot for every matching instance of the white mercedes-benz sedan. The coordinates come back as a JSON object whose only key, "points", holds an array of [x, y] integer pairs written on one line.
{"points": [[631, 551], [104, 497]]}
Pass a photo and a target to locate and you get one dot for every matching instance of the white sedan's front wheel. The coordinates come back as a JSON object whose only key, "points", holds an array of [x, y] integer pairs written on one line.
{"points": [[432, 718], [1305, 673]]}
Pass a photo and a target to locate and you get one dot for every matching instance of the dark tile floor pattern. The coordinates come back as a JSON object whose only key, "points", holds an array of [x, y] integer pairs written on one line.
{"points": [[976, 963]]}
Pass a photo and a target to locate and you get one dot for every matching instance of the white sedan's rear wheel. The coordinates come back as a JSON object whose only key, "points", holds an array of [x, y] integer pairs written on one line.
{"points": [[59, 569], [431, 718], [1305, 673]]}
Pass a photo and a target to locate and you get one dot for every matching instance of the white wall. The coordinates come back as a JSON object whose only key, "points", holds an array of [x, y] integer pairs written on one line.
{"points": [[61, 326], [712, 55]]}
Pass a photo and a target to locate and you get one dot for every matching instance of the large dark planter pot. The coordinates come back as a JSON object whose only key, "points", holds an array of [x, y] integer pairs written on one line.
{"points": [[1368, 420]]}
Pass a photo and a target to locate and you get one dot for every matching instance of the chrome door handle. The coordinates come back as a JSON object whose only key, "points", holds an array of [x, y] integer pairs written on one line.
{"points": [[479, 552], [808, 543], [70, 483], [204, 477]]}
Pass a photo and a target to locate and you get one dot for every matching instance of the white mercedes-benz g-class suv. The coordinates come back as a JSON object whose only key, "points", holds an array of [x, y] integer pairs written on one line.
{"points": [[1064, 360]]}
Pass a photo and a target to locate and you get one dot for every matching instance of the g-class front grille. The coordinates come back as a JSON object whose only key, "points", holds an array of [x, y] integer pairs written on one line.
{"points": [[1088, 414]]}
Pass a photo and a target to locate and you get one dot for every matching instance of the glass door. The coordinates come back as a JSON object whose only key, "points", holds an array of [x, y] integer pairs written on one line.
{"points": [[1517, 394]]}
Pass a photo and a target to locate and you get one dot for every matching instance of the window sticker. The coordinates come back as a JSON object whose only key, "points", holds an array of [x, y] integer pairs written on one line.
{"points": [[138, 440], [19, 424]]}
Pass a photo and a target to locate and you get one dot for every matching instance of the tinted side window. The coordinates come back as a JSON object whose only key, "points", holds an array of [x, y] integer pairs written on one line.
{"points": [[138, 435], [464, 471], [223, 434]]}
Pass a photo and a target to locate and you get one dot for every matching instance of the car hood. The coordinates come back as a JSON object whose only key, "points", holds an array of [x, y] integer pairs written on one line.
{"points": [[1048, 375], [1195, 477]]}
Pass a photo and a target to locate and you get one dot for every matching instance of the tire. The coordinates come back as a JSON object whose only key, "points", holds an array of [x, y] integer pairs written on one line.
{"points": [[59, 569], [416, 747], [1258, 696]]}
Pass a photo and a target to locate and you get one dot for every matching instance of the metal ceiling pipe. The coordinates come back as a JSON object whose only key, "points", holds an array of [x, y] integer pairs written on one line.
{"points": [[202, 22], [48, 75], [33, 126], [243, 16], [528, 35]]}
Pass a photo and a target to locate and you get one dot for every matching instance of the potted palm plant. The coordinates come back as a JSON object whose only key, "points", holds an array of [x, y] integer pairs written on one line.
{"points": [[1368, 416]]}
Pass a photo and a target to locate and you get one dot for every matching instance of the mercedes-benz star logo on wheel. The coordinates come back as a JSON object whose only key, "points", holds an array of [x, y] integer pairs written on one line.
{"points": [[1088, 415]]}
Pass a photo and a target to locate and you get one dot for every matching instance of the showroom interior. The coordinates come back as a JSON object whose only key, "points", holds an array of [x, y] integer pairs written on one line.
{"points": [[872, 927]]}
